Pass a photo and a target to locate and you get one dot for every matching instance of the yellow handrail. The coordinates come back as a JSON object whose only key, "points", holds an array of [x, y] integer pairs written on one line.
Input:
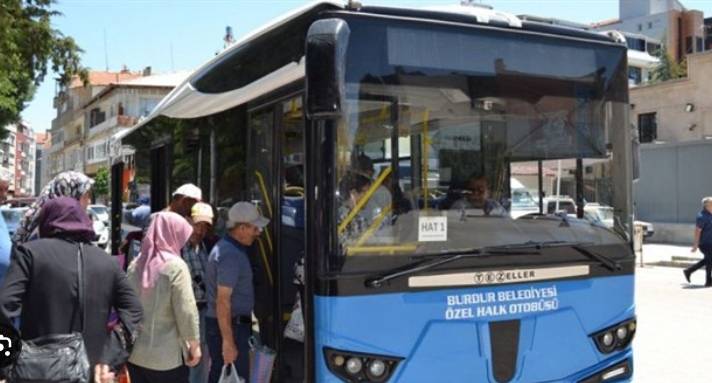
{"points": [[263, 189], [352, 250], [375, 225], [426, 164], [268, 202], [362, 202], [268, 267]]}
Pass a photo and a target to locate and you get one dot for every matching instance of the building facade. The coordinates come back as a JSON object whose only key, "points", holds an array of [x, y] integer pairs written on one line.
{"points": [[87, 116], [120, 106], [17, 152], [43, 144], [677, 110], [681, 30]]}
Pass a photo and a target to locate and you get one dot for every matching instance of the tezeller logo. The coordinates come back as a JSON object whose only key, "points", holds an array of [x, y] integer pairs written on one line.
{"points": [[9, 345], [500, 276]]}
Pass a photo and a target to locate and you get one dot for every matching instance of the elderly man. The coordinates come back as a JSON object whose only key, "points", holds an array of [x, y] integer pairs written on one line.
{"points": [[230, 291], [195, 255]]}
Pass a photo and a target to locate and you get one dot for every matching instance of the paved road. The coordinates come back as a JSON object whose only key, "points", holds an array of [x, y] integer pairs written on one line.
{"points": [[674, 338]]}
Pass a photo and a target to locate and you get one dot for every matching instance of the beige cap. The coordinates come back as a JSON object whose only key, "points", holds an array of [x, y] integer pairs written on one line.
{"points": [[202, 212]]}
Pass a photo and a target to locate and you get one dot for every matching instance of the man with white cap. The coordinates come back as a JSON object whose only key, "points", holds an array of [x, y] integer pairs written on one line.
{"points": [[184, 198], [195, 254], [230, 291]]}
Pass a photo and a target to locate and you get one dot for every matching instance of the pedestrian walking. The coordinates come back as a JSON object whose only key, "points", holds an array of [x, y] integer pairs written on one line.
{"points": [[42, 287], [230, 291], [67, 184], [163, 281], [703, 242], [195, 254]]}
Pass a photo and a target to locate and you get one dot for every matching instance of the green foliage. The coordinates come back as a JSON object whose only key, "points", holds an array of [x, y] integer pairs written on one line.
{"points": [[668, 68], [101, 182], [29, 46]]}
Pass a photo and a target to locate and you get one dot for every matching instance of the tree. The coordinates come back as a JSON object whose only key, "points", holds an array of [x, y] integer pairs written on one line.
{"points": [[101, 182], [668, 69], [28, 46]]}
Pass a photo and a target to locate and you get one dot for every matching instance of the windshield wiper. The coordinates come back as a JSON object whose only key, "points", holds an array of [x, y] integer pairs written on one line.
{"points": [[581, 247], [513, 249], [443, 258]]}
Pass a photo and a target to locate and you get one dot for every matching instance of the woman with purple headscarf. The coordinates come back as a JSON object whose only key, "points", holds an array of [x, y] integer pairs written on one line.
{"points": [[165, 288], [41, 286]]}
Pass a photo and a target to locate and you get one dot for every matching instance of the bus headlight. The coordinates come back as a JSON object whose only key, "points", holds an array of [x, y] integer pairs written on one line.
{"points": [[354, 366], [616, 337], [376, 369], [360, 367]]}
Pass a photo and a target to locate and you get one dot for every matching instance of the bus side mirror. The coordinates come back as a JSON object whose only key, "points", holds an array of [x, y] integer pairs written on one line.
{"points": [[326, 44]]}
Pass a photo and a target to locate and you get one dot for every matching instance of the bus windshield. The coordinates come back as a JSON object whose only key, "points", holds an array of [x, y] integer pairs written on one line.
{"points": [[460, 138]]}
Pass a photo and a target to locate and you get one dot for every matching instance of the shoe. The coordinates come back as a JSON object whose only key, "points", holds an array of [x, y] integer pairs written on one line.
{"points": [[687, 274]]}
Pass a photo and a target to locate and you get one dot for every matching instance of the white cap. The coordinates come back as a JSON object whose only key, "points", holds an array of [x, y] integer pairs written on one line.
{"points": [[245, 212], [190, 191]]}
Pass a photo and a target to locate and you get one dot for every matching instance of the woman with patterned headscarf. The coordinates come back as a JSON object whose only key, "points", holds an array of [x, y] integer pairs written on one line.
{"points": [[66, 184]]}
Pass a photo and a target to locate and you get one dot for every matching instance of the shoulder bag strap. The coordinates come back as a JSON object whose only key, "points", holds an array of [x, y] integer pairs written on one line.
{"points": [[80, 277]]}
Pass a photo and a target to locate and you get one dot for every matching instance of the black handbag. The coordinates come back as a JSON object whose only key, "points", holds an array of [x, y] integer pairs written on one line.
{"points": [[56, 357]]}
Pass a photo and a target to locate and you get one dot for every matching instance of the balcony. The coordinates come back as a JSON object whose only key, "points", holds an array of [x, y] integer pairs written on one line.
{"points": [[112, 122]]}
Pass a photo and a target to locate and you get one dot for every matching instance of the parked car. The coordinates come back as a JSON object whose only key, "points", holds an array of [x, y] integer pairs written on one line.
{"points": [[101, 211], [522, 201], [100, 229], [13, 217], [604, 214]]}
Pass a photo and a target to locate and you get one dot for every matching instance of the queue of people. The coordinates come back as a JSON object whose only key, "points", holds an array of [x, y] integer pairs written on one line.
{"points": [[181, 311]]}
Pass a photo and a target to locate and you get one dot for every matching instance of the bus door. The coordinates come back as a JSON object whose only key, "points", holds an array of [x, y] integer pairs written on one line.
{"points": [[261, 192], [275, 183]]}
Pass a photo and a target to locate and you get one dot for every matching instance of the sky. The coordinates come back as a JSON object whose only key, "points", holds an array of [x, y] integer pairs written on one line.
{"points": [[170, 35]]}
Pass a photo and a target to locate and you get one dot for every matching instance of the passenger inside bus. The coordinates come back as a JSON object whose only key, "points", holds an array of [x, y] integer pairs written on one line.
{"points": [[353, 188], [477, 198]]}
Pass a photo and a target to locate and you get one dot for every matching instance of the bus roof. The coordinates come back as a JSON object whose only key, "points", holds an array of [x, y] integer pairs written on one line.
{"points": [[185, 101]]}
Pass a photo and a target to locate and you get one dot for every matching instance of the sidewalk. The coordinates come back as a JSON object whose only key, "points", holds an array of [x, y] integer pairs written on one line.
{"points": [[668, 255]]}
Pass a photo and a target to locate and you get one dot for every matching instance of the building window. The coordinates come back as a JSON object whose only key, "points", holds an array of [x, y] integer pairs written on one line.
{"points": [[640, 27], [653, 49], [635, 75], [96, 117], [688, 45], [636, 44], [650, 25], [699, 44], [647, 127]]}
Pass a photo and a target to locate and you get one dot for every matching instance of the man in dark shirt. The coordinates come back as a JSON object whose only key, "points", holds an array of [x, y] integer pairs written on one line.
{"points": [[230, 291], [703, 241]]}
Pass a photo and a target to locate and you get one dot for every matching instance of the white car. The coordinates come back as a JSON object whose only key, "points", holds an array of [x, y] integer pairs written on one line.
{"points": [[101, 229], [522, 201], [101, 211]]}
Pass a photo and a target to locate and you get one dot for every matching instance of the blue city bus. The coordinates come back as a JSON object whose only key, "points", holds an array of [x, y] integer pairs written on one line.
{"points": [[383, 144]]}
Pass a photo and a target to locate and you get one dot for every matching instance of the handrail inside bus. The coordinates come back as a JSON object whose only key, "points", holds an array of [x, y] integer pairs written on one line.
{"points": [[268, 266], [263, 190], [375, 225], [426, 164], [392, 249], [364, 200]]}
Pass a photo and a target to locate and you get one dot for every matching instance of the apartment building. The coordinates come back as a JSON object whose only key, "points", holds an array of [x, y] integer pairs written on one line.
{"points": [[680, 29], [120, 106], [43, 144], [17, 160], [87, 116]]}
